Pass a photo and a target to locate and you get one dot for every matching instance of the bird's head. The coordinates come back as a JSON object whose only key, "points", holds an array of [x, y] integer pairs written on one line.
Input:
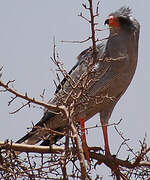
{"points": [[122, 21]]}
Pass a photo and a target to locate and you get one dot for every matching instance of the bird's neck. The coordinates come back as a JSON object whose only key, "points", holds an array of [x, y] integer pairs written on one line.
{"points": [[119, 32]]}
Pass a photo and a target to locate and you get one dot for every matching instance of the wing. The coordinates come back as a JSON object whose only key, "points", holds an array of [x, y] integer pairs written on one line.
{"points": [[113, 64], [31, 138], [65, 79], [112, 58], [79, 65], [105, 77]]}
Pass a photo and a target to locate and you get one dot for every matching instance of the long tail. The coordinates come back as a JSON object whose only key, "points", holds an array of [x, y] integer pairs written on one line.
{"points": [[33, 137]]}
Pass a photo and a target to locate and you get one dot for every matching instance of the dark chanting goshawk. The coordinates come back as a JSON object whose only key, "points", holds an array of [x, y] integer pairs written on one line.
{"points": [[111, 75]]}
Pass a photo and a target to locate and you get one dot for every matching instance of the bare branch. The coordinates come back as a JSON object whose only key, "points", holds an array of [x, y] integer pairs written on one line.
{"points": [[82, 41], [60, 157], [85, 6], [124, 140], [140, 156], [93, 31], [28, 103], [51, 107], [98, 126], [63, 166], [80, 152], [50, 131], [30, 148], [110, 161], [97, 9], [42, 95], [84, 18]]}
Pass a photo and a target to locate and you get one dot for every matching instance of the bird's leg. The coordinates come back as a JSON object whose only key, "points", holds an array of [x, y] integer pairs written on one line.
{"points": [[105, 134], [115, 168], [83, 138]]}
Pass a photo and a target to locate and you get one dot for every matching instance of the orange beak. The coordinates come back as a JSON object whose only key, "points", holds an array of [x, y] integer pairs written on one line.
{"points": [[113, 22]]}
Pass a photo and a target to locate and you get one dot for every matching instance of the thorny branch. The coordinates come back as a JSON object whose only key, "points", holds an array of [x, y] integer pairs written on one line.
{"points": [[60, 157], [30, 148], [51, 107], [80, 152], [93, 24], [83, 41], [93, 29], [28, 103], [124, 141], [137, 164]]}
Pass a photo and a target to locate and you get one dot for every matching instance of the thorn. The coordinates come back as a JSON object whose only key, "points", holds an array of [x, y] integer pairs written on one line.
{"points": [[84, 5]]}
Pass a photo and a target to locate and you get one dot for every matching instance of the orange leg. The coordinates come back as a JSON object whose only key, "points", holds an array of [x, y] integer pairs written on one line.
{"points": [[83, 138], [104, 127], [107, 150]]}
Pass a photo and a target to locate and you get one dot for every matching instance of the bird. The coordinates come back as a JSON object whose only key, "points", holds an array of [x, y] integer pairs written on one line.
{"points": [[109, 77]]}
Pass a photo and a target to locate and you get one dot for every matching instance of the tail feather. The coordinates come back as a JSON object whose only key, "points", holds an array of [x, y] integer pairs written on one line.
{"points": [[24, 138], [32, 137], [54, 139]]}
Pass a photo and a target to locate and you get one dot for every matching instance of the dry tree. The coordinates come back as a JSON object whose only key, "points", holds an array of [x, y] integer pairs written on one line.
{"points": [[66, 159]]}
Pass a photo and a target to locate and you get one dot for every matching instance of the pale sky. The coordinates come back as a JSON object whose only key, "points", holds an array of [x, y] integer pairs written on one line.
{"points": [[27, 28]]}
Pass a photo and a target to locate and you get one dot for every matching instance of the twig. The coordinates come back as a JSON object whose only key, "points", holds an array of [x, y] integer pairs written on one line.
{"points": [[42, 95], [139, 158], [84, 18], [51, 107], [97, 9], [110, 161], [80, 152], [93, 31], [50, 131], [130, 149], [82, 41], [102, 29], [31, 169], [63, 166], [97, 126], [28, 103]]}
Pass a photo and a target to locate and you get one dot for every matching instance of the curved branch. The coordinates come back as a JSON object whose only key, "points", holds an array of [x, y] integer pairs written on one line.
{"points": [[50, 107], [110, 161]]}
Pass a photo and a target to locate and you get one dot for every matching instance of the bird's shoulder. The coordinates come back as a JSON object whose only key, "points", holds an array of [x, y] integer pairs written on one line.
{"points": [[88, 53], [117, 46]]}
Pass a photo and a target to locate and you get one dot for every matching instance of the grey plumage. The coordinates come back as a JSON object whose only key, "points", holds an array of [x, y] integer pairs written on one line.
{"points": [[113, 72], [123, 11]]}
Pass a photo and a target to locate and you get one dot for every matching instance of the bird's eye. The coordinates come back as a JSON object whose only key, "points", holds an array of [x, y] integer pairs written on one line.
{"points": [[112, 22]]}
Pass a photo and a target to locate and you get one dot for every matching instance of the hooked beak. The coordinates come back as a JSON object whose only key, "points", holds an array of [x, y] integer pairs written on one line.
{"points": [[106, 22], [112, 22]]}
